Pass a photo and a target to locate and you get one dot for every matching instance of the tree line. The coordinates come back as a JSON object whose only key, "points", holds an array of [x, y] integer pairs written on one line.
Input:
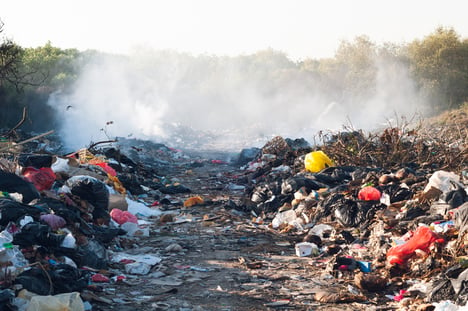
{"points": [[437, 65]]}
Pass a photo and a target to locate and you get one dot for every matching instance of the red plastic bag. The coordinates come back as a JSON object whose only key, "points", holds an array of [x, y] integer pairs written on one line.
{"points": [[108, 169], [122, 217], [369, 194], [422, 239], [42, 178], [98, 277]]}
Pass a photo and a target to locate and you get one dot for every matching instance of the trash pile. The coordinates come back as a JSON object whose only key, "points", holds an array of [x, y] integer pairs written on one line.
{"points": [[401, 232], [61, 219], [375, 216]]}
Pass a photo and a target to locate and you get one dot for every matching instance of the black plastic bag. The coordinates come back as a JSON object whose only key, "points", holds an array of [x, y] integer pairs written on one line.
{"points": [[6, 300], [396, 193], [355, 214], [328, 205], [67, 279], [92, 190], [461, 218], [63, 279], [91, 255], [452, 285], [12, 211], [455, 198], [68, 212], [292, 184], [35, 280], [247, 155], [173, 189], [35, 233], [106, 235], [12, 183], [35, 160]]}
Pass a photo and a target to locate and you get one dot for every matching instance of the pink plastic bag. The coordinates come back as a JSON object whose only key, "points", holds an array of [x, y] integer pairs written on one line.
{"points": [[55, 222], [422, 239], [122, 217]]}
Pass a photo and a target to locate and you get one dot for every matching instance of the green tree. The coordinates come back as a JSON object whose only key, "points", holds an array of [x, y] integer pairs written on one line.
{"points": [[355, 67], [439, 64], [54, 67], [10, 62]]}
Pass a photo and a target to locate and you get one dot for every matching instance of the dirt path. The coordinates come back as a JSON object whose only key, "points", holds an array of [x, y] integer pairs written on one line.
{"points": [[216, 258]]}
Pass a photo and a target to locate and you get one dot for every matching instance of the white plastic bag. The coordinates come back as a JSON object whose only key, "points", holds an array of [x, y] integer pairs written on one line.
{"points": [[444, 181], [61, 302]]}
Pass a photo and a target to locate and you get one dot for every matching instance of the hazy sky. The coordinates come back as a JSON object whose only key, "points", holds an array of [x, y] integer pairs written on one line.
{"points": [[300, 28]]}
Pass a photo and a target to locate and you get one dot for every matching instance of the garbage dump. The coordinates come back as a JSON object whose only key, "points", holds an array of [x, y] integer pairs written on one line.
{"points": [[136, 224]]}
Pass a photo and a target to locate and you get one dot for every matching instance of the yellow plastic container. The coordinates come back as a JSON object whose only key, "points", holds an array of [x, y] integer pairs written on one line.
{"points": [[316, 161]]}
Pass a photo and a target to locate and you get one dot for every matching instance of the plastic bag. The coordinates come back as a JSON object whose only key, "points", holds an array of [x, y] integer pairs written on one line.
{"points": [[42, 178], [369, 194], [320, 229], [316, 161], [134, 229], [105, 166], [12, 183], [9, 253], [442, 180], [13, 211], [137, 208], [35, 160], [69, 301], [422, 239], [69, 241], [55, 222], [92, 190], [35, 233], [350, 213], [461, 218], [193, 201], [122, 217]]}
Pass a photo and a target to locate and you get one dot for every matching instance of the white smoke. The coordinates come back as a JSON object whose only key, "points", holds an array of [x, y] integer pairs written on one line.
{"points": [[215, 102]]}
